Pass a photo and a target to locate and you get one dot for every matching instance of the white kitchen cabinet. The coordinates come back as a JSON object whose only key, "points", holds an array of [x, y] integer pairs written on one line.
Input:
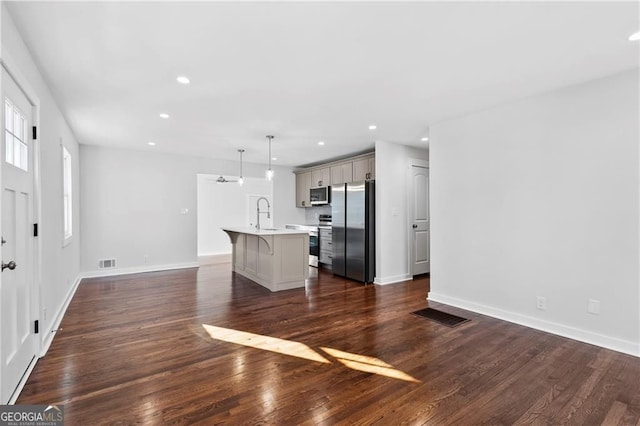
{"points": [[342, 173], [355, 169], [360, 169], [364, 169], [326, 246], [321, 177], [303, 184]]}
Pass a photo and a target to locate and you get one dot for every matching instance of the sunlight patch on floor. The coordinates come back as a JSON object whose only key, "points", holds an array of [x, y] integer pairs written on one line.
{"points": [[358, 362], [369, 364], [266, 343], [355, 357]]}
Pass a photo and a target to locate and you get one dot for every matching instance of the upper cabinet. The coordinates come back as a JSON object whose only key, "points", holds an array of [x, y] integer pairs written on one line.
{"points": [[321, 177], [342, 173], [359, 168], [303, 185], [364, 169]]}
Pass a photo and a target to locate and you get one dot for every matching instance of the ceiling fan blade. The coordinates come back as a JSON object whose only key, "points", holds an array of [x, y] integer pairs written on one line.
{"points": [[222, 179]]}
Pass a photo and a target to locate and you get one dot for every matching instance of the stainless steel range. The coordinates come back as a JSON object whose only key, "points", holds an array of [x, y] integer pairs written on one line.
{"points": [[325, 220]]}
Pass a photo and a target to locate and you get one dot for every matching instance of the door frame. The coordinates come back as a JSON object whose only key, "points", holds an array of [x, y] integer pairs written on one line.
{"points": [[8, 65], [409, 200]]}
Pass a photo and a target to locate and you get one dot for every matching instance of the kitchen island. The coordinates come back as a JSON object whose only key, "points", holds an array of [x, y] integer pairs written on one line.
{"points": [[277, 259]]}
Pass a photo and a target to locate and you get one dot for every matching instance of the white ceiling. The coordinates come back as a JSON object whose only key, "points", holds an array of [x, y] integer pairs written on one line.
{"points": [[306, 71]]}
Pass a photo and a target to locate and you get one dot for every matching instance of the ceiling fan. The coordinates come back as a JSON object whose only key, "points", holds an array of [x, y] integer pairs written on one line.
{"points": [[222, 179]]}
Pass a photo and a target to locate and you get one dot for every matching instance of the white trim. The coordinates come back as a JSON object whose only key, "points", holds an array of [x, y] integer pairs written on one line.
{"points": [[23, 381], [137, 270], [392, 279], [215, 259], [49, 334], [221, 253], [613, 343]]}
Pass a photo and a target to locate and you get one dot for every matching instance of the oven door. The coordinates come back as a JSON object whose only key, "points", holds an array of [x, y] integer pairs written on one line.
{"points": [[314, 248]]}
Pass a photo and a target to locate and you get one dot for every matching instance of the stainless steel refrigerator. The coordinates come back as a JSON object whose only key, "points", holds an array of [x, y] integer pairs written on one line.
{"points": [[353, 217]]}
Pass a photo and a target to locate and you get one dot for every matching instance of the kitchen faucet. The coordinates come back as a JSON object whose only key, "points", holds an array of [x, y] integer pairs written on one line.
{"points": [[268, 212]]}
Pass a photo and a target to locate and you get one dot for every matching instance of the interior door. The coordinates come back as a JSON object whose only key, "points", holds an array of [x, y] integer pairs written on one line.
{"points": [[18, 343], [419, 218]]}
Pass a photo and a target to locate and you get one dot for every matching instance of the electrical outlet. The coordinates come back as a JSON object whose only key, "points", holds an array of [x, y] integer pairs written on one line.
{"points": [[593, 306], [541, 303]]}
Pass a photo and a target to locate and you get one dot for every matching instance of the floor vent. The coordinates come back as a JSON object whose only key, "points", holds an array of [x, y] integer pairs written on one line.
{"points": [[440, 317], [107, 263]]}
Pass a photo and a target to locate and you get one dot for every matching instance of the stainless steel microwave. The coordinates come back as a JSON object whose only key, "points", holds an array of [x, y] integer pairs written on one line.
{"points": [[320, 195]]}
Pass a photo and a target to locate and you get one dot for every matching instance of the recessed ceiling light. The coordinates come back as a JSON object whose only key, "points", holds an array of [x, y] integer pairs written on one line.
{"points": [[164, 115], [182, 79], [321, 143], [274, 158], [635, 36], [424, 139], [151, 143], [372, 127]]}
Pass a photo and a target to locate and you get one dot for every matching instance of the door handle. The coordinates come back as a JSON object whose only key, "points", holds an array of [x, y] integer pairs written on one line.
{"points": [[415, 226], [11, 265]]}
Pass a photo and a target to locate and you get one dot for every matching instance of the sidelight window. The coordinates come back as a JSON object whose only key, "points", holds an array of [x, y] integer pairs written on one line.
{"points": [[67, 192], [15, 134]]}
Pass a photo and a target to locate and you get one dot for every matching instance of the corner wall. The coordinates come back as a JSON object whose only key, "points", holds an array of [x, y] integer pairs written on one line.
{"points": [[541, 198]]}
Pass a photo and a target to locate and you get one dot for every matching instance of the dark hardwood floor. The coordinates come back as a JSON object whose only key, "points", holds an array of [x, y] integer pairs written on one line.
{"points": [[160, 348]]}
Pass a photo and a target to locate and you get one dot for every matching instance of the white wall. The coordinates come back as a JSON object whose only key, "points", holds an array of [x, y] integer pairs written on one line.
{"points": [[229, 204], [540, 198], [132, 204], [392, 228], [60, 265]]}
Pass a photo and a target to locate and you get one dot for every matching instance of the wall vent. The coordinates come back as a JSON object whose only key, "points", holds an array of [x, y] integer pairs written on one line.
{"points": [[107, 263]]}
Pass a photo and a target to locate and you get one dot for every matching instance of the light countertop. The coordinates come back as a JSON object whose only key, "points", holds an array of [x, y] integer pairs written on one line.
{"points": [[264, 231]]}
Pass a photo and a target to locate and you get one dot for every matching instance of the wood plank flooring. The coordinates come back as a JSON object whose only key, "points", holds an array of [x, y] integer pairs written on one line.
{"points": [[143, 349]]}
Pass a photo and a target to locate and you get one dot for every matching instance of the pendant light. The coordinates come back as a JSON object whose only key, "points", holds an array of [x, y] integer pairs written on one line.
{"points": [[269, 172], [241, 180]]}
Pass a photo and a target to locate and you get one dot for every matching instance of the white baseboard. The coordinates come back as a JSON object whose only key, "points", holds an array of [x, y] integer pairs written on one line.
{"points": [[137, 270], [47, 338], [392, 279], [222, 253], [613, 343], [23, 381], [215, 259]]}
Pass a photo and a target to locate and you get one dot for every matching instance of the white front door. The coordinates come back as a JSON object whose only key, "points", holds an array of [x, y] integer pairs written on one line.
{"points": [[18, 342], [419, 217]]}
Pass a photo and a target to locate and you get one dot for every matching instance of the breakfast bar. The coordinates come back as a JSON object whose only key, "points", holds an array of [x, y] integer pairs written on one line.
{"points": [[277, 259]]}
